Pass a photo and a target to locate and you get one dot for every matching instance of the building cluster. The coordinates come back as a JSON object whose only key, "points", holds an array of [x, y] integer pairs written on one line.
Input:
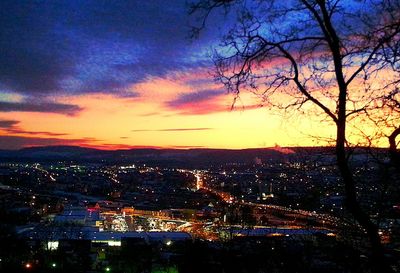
{"points": [[111, 206]]}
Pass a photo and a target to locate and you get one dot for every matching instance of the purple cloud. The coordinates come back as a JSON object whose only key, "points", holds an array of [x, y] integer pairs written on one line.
{"points": [[7, 124], [197, 97], [75, 47], [11, 126], [42, 106], [18, 142]]}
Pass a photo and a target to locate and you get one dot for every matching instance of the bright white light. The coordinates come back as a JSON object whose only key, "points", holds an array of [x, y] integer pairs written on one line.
{"points": [[52, 245], [114, 243]]}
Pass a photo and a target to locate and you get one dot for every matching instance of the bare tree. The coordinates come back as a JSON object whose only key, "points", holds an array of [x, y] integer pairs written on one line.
{"points": [[327, 54], [392, 100], [390, 104]]}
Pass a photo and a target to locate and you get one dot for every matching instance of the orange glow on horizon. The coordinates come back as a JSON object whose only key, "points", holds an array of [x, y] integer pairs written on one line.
{"points": [[160, 118]]}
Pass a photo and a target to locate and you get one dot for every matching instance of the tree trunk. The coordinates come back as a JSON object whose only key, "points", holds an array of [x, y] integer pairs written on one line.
{"points": [[378, 261], [394, 153]]}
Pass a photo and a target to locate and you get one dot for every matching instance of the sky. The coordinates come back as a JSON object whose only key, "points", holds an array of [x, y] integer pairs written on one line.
{"points": [[124, 74]]}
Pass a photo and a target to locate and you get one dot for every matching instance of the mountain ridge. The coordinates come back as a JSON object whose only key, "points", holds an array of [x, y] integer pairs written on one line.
{"points": [[193, 156]]}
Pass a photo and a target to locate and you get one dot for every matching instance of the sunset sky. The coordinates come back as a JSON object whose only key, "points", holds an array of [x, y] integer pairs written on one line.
{"points": [[110, 75]]}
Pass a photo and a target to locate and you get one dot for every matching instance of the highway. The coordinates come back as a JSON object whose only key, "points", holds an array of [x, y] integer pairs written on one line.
{"points": [[324, 220]]}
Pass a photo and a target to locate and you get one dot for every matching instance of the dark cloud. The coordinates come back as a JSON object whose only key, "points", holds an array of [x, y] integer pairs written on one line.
{"points": [[6, 124], [11, 127], [41, 106], [197, 97], [199, 103], [173, 130], [205, 102], [78, 47], [111, 146], [187, 147], [25, 132], [18, 142], [14, 142]]}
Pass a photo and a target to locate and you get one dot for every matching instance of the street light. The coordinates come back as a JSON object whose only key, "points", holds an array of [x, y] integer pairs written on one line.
{"points": [[108, 269], [53, 265]]}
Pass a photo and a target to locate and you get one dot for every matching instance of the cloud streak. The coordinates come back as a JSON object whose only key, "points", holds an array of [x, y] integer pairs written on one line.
{"points": [[196, 97], [198, 103], [174, 129], [18, 142], [11, 127], [41, 106], [8, 124]]}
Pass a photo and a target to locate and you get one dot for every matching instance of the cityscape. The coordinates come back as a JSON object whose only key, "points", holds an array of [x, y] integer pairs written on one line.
{"points": [[106, 208], [193, 136]]}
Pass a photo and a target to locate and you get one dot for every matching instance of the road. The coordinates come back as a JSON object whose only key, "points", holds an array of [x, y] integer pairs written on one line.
{"points": [[324, 220]]}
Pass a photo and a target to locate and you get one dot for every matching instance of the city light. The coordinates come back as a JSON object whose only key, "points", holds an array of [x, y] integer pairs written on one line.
{"points": [[268, 143]]}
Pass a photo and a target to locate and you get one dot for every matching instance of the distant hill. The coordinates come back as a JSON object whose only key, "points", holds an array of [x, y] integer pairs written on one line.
{"points": [[195, 157]]}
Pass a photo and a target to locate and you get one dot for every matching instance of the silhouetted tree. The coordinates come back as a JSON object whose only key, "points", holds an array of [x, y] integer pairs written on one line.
{"points": [[391, 55], [326, 53]]}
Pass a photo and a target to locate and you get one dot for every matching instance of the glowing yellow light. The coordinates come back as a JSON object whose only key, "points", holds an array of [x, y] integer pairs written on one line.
{"points": [[276, 234]]}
